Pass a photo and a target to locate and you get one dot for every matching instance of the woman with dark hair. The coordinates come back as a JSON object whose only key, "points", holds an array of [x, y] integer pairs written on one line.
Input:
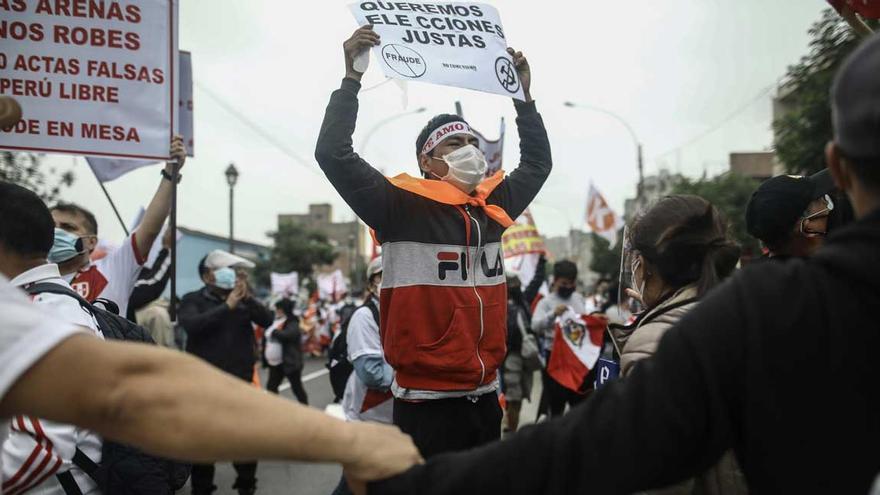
{"points": [[284, 351], [677, 251]]}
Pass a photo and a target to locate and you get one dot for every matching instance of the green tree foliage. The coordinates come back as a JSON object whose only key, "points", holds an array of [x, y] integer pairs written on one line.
{"points": [[606, 258], [804, 129], [295, 249], [730, 193], [26, 170]]}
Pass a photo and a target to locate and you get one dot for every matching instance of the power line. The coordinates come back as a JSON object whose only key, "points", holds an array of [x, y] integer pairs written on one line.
{"points": [[745, 106], [259, 130]]}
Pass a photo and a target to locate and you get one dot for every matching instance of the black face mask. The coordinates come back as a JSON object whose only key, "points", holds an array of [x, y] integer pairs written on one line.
{"points": [[565, 292]]}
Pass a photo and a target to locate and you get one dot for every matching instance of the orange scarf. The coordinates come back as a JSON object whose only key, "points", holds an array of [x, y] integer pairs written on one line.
{"points": [[446, 193]]}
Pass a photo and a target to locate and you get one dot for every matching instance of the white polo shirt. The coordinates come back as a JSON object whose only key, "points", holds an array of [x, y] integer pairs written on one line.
{"points": [[112, 277], [26, 335], [32, 439]]}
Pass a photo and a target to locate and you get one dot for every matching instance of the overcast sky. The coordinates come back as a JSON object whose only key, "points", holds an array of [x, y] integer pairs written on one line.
{"points": [[674, 69]]}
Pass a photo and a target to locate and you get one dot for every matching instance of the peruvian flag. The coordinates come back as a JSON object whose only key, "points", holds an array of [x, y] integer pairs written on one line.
{"points": [[576, 348]]}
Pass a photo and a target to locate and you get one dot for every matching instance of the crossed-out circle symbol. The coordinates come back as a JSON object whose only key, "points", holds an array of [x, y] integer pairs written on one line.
{"points": [[404, 60], [506, 74]]}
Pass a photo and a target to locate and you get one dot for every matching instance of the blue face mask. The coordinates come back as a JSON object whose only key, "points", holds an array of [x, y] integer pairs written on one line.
{"points": [[224, 278], [65, 247]]}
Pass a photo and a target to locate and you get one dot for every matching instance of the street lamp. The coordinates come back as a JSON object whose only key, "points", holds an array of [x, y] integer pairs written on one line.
{"points": [[632, 134], [231, 179], [385, 121]]}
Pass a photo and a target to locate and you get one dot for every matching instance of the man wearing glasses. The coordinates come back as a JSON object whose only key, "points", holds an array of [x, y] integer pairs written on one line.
{"points": [[789, 214]]}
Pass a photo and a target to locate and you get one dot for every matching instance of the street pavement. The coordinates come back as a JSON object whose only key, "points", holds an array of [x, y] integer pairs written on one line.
{"points": [[297, 478]]}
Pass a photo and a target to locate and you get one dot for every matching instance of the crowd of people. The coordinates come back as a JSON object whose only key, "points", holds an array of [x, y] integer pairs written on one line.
{"points": [[732, 379]]}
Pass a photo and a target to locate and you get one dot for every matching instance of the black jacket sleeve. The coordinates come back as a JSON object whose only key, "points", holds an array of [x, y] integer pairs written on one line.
{"points": [[151, 282], [290, 332], [671, 418], [524, 183], [259, 314], [531, 292], [194, 320], [364, 188]]}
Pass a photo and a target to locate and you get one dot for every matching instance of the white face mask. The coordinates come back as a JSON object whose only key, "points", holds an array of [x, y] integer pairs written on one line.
{"points": [[467, 168]]}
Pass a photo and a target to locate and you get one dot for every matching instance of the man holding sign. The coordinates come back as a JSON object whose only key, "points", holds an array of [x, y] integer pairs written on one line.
{"points": [[443, 298]]}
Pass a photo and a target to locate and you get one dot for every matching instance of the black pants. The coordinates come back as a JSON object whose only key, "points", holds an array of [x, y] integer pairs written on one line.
{"points": [[558, 397], [202, 477], [276, 375], [449, 425]]}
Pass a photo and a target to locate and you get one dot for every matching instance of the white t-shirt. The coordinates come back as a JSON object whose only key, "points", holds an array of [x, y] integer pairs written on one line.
{"points": [[26, 335], [29, 435], [363, 340], [274, 350], [112, 277]]}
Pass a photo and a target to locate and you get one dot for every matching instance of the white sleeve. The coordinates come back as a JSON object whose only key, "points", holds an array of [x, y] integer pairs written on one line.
{"points": [[121, 268], [363, 335], [26, 335]]}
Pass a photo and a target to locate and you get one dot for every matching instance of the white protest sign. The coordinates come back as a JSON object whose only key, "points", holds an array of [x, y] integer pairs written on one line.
{"points": [[454, 44], [108, 169], [286, 284], [92, 78]]}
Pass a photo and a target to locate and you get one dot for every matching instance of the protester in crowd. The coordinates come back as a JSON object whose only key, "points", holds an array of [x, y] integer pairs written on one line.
{"points": [[368, 391], [446, 355], [112, 277], [735, 372], [152, 280], [284, 351], [517, 375], [562, 297], [218, 320], [167, 402], [789, 214], [26, 236], [594, 302], [678, 250]]}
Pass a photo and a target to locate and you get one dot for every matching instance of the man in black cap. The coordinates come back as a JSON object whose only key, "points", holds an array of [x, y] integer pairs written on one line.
{"points": [[794, 393], [789, 214]]}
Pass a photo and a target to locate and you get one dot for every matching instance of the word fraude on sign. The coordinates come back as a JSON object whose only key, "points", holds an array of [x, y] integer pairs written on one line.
{"points": [[92, 77], [453, 44]]}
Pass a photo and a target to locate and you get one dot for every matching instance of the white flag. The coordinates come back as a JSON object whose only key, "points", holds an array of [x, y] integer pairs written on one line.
{"points": [[108, 169], [493, 150], [286, 284]]}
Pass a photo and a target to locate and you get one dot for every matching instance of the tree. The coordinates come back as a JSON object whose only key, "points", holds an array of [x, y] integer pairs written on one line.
{"points": [[730, 193], [606, 259], [295, 249], [805, 126], [25, 170]]}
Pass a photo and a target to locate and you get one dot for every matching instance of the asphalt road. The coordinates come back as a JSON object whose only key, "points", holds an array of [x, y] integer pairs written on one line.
{"points": [[290, 478]]}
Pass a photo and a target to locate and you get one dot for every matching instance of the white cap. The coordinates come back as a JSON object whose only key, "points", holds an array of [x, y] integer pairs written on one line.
{"points": [[374, 267], [222, 259]]}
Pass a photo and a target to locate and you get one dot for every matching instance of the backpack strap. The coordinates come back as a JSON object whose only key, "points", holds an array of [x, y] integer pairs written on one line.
{"points": [[50, 288], [68, 483], [371, 305]]}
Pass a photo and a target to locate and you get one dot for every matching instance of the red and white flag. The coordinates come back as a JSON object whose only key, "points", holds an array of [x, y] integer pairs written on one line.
{"points": [[576, 348], [601, 218]]}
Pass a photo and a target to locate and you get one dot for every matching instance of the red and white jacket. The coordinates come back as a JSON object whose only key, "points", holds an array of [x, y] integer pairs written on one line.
{"points": [[443, 299]]}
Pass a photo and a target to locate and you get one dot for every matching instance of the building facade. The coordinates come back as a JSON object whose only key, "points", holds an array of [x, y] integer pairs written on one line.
{"points": [[348, 238]]}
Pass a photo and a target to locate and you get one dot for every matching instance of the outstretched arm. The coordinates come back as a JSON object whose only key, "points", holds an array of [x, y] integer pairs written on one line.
{"points": [[524, 183], [364, 188], [160, 206], [174, 405]]}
